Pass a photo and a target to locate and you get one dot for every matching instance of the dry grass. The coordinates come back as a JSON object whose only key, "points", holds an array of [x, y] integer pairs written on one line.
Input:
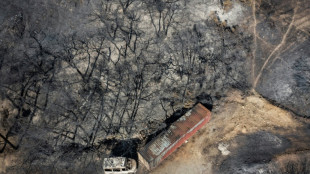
{"points": [[293, 163], [227, 4]]}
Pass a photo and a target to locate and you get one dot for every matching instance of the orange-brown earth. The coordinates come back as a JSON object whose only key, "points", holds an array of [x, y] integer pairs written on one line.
{"points": [[241, 115]]}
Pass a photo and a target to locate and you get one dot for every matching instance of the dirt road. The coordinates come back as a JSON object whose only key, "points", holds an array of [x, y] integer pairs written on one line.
{"points": [[239, 115]]}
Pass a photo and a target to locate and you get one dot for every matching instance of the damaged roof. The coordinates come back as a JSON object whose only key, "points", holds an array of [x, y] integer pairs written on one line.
{"points": [[158, 148]]}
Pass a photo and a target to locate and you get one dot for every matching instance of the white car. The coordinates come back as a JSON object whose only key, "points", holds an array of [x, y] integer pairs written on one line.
{"points": [[119, 165]]}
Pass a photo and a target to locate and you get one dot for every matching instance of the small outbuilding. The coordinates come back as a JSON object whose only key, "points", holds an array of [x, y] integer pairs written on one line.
{"points": [[168, 141]]}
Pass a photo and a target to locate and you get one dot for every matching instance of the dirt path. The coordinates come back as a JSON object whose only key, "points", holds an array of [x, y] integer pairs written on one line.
{"points": [[240, 115]]}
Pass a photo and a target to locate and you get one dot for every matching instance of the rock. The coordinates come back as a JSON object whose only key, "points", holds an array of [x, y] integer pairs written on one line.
{"points": [[223, 148]]}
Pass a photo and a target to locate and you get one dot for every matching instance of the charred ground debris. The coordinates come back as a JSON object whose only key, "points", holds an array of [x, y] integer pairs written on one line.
{"points": [[95, 75]]}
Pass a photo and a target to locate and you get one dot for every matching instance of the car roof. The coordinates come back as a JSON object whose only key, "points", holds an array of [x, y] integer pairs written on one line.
{"points": [[115, 162]]}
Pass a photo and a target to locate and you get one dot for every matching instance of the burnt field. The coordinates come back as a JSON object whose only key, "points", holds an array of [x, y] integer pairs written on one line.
{"points": [[81, 80]]}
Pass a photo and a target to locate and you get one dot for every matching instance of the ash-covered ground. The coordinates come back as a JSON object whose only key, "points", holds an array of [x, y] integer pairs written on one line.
{"points": [[86, 79]]}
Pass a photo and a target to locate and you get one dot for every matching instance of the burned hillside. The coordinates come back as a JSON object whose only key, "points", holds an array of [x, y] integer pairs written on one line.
{"points": [[82, 77]]}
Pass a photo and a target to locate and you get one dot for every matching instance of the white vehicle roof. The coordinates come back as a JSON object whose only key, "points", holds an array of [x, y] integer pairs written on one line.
{"points": [[115, 162]]}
